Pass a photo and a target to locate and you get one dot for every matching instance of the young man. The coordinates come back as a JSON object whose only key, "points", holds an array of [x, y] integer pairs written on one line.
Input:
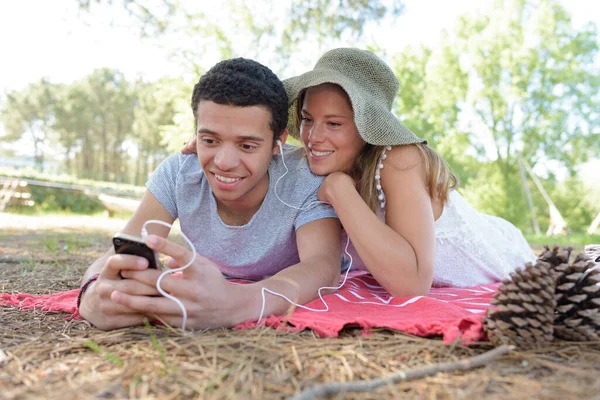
{"points": [[224, 200]]}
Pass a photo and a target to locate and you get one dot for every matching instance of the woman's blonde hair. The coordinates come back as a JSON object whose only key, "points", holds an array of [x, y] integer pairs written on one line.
{"points": [[439, 179]]}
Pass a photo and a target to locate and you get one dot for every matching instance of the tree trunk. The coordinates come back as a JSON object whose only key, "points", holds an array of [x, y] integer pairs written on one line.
{"points": [[104, 137], [138, 167], [526, 188]]}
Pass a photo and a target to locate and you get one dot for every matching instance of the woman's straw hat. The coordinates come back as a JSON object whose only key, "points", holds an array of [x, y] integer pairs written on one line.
{"points": [[371, 85]]}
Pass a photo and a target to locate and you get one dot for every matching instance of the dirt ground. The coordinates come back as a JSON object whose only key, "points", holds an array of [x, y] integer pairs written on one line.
{"points": [[43, 355]]}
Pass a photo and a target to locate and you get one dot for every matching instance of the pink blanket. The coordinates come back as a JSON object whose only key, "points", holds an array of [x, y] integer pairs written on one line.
{"points": [[451, 313]]}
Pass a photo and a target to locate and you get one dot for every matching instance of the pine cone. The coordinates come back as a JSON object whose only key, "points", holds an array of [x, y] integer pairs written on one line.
{"points": [[593, 251], [524, 308], [577, 295]]}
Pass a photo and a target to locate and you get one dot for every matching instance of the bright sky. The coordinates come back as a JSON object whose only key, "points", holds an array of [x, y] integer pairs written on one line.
{"points": [[52, 39]]}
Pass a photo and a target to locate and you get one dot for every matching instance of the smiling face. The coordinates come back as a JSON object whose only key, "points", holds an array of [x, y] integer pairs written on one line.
{"points": [[328, 131], [235, 146]]}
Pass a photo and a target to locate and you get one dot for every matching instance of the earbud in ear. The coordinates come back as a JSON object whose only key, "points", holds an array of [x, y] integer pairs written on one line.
{"points": [[280, 146]]}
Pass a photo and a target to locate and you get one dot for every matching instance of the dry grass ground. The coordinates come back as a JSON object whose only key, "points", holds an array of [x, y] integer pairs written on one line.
{"points": [[44, 356]]}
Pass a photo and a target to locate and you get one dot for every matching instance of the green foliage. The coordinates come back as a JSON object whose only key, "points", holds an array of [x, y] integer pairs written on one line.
{"points": [[153, 123], [109, 128], [101, 186], [106, 127], [527, 67], [522, 76], [518, 81], [325, 19], [429, 106], [72, 201], [29, 112], [294, 142], [157, 346], [112, 102], [486, 193], [575, 207], [49, 199], [53, 200], [153, 17], [574, 200], [579, 240], [104, 353], [251, 29], [180, 127]]}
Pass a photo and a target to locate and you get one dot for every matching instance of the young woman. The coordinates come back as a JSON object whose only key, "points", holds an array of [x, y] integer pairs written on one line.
{"points": [[395, 196]]}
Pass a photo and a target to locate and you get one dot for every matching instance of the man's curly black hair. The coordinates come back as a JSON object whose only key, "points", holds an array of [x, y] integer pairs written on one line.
{"points": [[242, 82]]}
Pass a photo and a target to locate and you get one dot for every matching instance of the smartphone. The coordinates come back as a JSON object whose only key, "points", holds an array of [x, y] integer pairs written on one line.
{"points": [[128, 244]]}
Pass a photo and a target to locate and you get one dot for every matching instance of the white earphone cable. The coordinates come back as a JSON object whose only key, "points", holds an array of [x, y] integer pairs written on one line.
{"points": [[266, 290], [306, 207], [263, 290], [264, 300], [171, 271]]}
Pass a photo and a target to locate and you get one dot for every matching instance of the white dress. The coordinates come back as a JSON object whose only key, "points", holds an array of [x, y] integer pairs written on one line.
{"points": [[471, 248]]}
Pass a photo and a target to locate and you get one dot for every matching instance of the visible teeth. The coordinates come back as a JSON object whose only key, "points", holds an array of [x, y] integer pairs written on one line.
{"points": [[320, 153], [226, 179]]}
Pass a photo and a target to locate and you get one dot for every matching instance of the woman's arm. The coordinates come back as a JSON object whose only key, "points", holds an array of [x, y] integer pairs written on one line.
{"points": [[399, 253]]}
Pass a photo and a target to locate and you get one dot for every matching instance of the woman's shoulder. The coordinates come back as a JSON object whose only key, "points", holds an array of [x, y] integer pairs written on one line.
{"points": [[403, 157], [402, 163]]}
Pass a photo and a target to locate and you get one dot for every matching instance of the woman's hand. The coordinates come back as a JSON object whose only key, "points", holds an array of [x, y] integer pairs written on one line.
{"points": [[96, 304], [333, 184], [209, 299], [190, 146]]}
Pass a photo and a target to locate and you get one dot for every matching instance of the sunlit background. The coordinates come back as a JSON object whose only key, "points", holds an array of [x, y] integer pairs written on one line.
{"points": [[100, 89]]}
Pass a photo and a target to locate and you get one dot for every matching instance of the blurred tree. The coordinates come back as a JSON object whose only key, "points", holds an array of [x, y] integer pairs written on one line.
{"points": [[575, 206], [517, 81], [182, 126], [272, 32], [74, 121], [7, 152], [252, 29], [520, 80], [111, 103], [485, 191], [153, 16], [153, 112], [122, 111], [533, 88], [101, 123], [433, 86], [29, 113]]}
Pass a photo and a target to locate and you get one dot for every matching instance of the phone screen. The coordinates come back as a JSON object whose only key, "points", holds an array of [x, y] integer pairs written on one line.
{"points": [[127, 244]]}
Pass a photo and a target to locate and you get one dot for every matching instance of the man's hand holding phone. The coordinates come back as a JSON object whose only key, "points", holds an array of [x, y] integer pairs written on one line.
{"points": [[133, 245], [210, 300], [97, 305]]}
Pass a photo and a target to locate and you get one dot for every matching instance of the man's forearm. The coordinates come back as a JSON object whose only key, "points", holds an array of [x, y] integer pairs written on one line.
{"points": [[300, 283]]}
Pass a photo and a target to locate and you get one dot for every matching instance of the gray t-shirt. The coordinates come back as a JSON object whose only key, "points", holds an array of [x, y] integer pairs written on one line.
{"points": [[266, 244]]}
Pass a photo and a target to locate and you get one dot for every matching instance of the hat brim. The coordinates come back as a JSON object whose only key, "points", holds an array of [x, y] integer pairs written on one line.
{"points": [[390, 130]]}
